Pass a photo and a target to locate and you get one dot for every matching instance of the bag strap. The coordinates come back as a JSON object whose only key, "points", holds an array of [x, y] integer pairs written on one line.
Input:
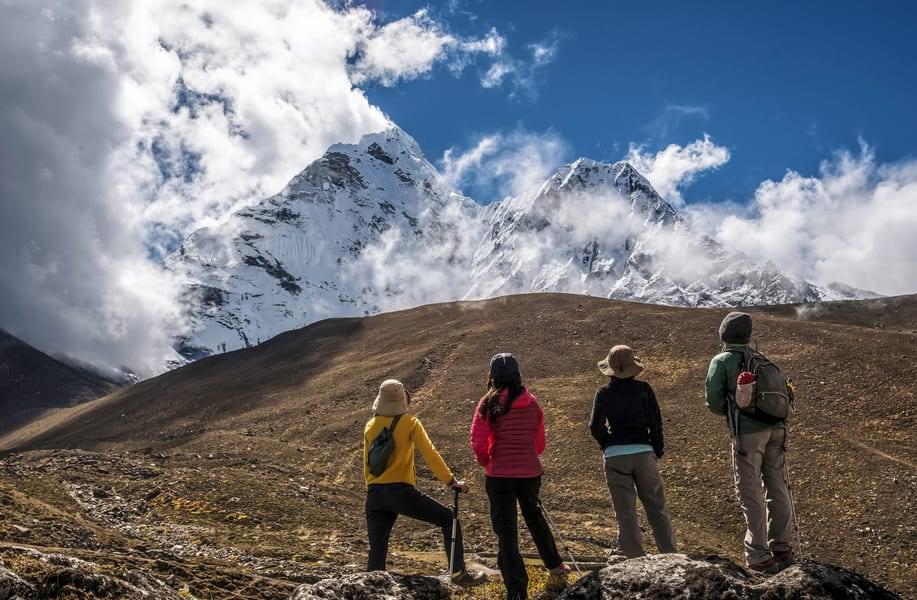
{"points": [[393, 425], [732, 410]]}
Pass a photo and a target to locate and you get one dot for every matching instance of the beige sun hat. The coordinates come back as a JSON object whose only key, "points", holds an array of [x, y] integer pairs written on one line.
{"points": [[392, 399], [621, 363]]}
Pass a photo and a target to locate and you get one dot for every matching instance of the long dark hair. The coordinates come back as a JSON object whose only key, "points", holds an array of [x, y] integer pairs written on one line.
{"points": [[491, 406]]}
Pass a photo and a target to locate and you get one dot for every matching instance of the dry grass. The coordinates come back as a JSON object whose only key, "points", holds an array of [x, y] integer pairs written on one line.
{"points": [[242, 433], [542, 586]]}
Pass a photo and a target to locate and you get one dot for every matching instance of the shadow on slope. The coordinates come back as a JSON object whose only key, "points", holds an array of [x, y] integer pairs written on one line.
{"points": [[32, 383]]}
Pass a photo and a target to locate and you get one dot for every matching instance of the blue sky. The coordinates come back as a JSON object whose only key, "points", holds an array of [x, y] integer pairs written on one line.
{"points": [[129, 125], [781, 84]]}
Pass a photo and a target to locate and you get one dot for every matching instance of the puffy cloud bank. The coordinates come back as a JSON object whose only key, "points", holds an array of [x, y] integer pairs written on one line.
{"points": [[675, 166], [127, 124], [855, 222]]}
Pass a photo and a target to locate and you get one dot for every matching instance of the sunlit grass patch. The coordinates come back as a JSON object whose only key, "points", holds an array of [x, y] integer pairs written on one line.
{"points": [[542, 586]]}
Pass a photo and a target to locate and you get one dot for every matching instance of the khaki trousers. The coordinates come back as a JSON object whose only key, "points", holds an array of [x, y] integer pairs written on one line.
{"points": [[758, 460], [628, 477]]}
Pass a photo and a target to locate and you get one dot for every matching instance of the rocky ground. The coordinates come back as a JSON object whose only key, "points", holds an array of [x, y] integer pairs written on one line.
{"points": [[239, 476]]}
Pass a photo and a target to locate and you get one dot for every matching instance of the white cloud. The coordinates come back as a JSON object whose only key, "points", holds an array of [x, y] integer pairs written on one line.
{"points": [[409, 47], [856, 222], [74, 274], [521, 74], [126, 125], [676, 166], [508, 163]]}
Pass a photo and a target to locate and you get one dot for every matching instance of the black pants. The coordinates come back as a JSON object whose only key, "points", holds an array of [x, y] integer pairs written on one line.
{"points": [[385, 501], [503, 493]]}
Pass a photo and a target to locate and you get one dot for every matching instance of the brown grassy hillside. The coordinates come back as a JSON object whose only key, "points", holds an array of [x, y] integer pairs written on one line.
{"points": [[253, 458]]}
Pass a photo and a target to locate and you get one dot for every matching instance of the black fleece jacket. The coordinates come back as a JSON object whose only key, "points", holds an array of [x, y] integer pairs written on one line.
{"points": [[625, 411]]}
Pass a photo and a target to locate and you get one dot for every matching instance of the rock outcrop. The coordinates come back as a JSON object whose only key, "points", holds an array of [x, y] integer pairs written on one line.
{"points": [[377, 585], [13, 586], [59, 576], [677, 576]]}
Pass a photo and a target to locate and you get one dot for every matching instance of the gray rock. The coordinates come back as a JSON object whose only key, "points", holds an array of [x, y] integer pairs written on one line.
{"points": [[72, 577], [377, 585], [676, 576], [12, 586]]}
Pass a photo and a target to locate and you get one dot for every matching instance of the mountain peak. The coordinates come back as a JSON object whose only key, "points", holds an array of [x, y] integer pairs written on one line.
{"points": [[387, 146], [373, 225]]}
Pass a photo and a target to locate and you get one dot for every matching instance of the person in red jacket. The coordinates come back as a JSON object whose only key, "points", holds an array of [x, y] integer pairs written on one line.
{"points": [[507, 435]]}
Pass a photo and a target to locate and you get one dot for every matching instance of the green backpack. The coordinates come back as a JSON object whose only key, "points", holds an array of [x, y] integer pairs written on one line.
{"points": [[772, 396], [381, 448]]}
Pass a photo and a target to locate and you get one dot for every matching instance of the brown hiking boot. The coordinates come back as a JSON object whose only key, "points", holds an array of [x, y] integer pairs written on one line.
{"points": [[765, 567], [783, 559]]}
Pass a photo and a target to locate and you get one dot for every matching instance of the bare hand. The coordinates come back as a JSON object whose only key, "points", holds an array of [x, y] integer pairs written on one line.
{"points": [[459, 485]]}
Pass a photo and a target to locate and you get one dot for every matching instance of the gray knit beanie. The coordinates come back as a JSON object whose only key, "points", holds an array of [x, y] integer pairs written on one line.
{"points": [[736, 328]]}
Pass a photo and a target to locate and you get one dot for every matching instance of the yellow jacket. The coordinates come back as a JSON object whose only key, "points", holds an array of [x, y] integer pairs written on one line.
{"points": [[408, 434]]}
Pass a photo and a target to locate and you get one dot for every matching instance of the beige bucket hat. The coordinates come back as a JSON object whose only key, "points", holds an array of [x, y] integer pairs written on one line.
{"points": [[621, 363], [392, 399]]}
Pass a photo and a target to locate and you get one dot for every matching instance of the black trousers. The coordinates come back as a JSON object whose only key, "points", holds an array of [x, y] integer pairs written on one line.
{"points": [[385, 501], [504, 493]]}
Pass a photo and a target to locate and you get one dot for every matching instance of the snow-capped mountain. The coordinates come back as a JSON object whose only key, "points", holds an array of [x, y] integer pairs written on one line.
{"points": [[372, 226], [329, 244]]}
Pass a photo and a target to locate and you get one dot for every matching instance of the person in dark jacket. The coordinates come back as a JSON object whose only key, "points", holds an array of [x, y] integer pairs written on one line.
{"points": [[507, 435], [627, 424]]}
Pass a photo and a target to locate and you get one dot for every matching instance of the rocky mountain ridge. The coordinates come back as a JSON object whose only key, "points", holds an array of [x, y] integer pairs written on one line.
{"points": [[32, 382], [374, 226]]}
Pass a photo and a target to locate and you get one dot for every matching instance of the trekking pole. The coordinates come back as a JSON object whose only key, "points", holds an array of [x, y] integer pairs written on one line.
{"points": [[454, 529], [789, 489], [563, 542]]}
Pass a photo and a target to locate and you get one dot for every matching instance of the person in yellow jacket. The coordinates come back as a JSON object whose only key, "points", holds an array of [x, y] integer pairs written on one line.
{"points": [[393, 492]]}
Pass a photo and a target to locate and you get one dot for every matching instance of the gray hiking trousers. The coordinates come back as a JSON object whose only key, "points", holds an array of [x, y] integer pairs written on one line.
{"points": [[631, 476], [759, 458]]}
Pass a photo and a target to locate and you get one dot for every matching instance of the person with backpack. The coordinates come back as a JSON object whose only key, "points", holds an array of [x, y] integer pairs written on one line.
{"points": [[389, 440], [749, 390], [507, 436], [627, 424]]}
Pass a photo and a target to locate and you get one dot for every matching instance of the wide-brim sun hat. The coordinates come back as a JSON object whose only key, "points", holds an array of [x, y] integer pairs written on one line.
{"points": [[392, 399], [621, 363]]}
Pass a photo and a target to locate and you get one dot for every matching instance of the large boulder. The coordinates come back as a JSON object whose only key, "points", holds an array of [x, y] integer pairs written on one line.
{"points": [[377, 585], [12, 586], [60, 576], [677, 576]]}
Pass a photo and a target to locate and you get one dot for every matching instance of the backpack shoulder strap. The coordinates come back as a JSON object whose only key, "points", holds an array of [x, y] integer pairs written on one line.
{"points": [[746, 355], [394, 424]]}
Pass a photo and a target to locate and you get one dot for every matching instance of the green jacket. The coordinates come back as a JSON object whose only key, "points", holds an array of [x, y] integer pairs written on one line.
{"points": [[720, 387]]}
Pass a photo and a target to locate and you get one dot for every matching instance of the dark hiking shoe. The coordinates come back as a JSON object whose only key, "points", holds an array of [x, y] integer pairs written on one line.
{"points": [[467, 579], [560, 570], [784, 559], [766, 567]]}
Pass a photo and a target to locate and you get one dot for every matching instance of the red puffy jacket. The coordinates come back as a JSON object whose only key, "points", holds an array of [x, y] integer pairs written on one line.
{"points": [[509, 446]]}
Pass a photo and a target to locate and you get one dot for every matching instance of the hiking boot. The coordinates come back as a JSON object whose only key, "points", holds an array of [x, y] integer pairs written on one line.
{"points": [[467, 579], [783, 559], [765, 567]]}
